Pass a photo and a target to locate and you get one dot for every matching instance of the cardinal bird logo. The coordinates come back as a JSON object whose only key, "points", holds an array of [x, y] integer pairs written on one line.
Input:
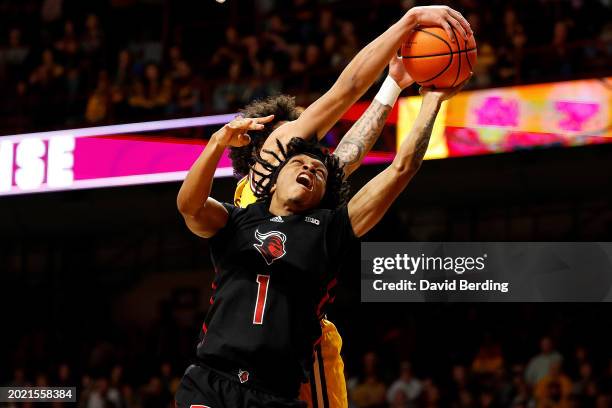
{"points": [[271, 245], [243, 376]]}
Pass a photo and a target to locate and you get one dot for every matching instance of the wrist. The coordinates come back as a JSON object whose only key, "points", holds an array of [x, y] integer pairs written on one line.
{"points": [[389, 92], [215, 142], [433, 98], [410, 20]]}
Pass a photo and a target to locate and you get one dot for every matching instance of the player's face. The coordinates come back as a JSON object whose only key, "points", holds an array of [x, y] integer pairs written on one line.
{"points": [[301, 182]]}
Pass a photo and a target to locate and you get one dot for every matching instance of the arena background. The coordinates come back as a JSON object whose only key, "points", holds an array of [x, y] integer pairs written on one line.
{"points": [[105, 289]]}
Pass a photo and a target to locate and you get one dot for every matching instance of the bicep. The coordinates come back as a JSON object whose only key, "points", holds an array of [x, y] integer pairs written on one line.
{"points": [[371, 203], [322, 114], [208, 220]]}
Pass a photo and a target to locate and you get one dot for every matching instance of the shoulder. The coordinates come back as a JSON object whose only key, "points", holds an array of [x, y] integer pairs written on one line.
{"points": [[337, 221], [339, 213], [283, 133], [255, 209]]}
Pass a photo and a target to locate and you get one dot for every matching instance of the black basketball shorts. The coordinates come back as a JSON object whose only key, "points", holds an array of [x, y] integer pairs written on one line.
{"points": [[202, 387]]}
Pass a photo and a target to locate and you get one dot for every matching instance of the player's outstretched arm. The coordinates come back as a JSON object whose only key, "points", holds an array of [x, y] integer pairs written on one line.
{"points": [[367, 65], [362, 136], [371, 203], [359, 74], [203, 215]]}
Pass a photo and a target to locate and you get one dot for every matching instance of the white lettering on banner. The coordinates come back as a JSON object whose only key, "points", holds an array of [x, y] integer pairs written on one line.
{"points": [[60, 160], [6, 165], [29, 159]]}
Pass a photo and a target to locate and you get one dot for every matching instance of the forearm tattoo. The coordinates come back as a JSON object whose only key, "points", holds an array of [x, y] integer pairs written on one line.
{"points": [[422, 142], [362, 136]]}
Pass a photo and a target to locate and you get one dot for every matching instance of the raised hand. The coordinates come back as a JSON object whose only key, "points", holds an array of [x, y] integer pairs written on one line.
{"points": [[443, 94], [235, 134], [442, 16], [399, 74]]}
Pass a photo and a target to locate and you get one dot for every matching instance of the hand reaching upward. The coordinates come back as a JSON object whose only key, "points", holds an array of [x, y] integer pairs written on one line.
{"points": [[235, 133]]}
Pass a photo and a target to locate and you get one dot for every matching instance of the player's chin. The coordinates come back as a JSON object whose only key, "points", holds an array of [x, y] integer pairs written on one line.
{"points": [[306, 199]]}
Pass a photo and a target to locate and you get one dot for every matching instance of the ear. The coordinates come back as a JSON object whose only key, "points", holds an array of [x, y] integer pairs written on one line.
{"points": [[273, 189]]}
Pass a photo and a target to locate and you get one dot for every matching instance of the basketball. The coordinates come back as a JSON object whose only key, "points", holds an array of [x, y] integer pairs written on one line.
{"points": [[433, 60]]}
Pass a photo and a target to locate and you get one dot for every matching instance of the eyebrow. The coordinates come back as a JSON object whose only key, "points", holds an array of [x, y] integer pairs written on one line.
{"points": [[318, 164]]}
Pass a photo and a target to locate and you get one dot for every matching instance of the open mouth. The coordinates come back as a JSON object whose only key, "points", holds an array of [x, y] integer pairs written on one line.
{"points": [[305, 180]]}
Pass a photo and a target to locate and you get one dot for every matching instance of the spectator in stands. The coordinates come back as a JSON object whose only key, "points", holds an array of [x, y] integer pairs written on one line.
{"points": [[130, 398], [554, 389], [483, 71], [370, 392], [116, 379], [460, 384], [400, 400], [100, 397], [573, 365], [407, 385], [265, 83], [48, 72], [99, 103], [430, 397], [227, 54], [175, 57], [41, 380], [229, 96], [325, 25], [501, 383], [93, 37], [68, 45], [487, 399], [605, 382], [585, 388], [19, 378], [510, 47], [122, 81], [151, 95], [64, 376], [185, 92], [170, 382], [522, 396], [349, 43], [539, 366], [73, 91], [46, 85], [489, 358], [154, 394], [14, 55]]}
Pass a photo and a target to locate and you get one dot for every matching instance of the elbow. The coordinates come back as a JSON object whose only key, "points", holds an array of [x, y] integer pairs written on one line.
{"points": [[185, 207], [405, 171], [354, 85]]}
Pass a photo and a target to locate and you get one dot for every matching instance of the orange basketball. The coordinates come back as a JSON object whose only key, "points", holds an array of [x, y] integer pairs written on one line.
{"points": [[434, 61]]}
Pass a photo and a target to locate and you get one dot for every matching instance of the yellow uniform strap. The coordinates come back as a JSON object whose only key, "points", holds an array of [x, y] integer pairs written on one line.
{"points": [[244, 196]]}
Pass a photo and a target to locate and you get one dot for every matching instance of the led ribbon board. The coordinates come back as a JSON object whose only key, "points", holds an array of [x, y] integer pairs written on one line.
{"points": [[100, 156], [498, 120]]}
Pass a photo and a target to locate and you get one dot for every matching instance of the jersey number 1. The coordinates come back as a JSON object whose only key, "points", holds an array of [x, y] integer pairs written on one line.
{"points": [[262, 295]]}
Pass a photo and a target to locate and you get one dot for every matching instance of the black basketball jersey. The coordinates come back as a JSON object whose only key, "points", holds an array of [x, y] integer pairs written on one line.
{"points": [[273, 275]]}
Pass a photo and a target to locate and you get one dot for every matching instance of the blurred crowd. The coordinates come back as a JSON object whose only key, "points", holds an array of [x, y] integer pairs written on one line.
{"points": [[548, 379], [65, 66]]}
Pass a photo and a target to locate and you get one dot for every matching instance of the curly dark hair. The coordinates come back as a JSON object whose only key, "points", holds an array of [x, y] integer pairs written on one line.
{"points": [[282, 107], [337, 189]]}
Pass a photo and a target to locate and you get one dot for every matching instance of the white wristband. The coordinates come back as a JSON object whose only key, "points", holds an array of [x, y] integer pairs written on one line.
{"points": [[389, 92]]}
